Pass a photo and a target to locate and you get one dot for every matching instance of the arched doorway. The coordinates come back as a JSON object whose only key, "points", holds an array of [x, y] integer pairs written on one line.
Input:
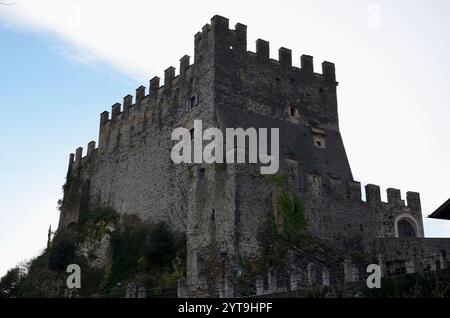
{"points": [[406, 228]]}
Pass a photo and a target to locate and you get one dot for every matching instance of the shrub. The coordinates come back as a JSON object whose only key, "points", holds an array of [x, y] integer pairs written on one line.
{"points": [[61, 252]]}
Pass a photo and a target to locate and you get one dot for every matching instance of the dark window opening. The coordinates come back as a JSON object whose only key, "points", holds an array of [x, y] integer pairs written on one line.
{"points": [[321, 90], [191, 131], [201, 267], [293, 111], [406, 229], [193, 101], [318, 139], [395, 268], [361, 227], [438, 265], [177, 96], [202, 173]]}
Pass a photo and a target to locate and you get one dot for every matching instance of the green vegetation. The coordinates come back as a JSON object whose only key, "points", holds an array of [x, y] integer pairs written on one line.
{"points": [[44, 275], [285, 233], [291, 211], [284, 227], [275, 179], [61, 252], [291, 154], [150, 255], [10, 282], [93, 224]]}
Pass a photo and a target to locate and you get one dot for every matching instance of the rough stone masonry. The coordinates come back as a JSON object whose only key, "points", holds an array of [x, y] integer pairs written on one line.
{"points": [[222, 208]]}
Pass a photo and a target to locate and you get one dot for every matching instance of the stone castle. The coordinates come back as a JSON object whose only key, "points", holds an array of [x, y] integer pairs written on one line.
{"points": [[223, 207]]}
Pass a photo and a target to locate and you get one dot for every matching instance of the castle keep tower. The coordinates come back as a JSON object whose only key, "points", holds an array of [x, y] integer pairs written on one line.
{"points": [[222, 208]]}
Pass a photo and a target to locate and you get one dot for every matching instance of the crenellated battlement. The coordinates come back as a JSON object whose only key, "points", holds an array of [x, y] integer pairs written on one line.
{"points": [[218, 36], [352, 191], [77, 160], [135, 108], [154, 86], [155, 89]]}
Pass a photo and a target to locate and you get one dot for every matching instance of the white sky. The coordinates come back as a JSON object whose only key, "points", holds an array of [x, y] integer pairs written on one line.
{"points": [[392, 61]]}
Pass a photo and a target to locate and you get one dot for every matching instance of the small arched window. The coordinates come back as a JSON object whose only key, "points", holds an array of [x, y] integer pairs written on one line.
{"points": [[293, 111], [294, 115]]}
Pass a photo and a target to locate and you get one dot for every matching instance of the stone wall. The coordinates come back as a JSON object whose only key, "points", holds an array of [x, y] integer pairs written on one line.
{"points": [[412, 254]]}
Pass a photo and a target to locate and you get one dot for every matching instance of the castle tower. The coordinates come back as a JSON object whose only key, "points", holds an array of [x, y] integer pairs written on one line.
{"points": [[222, 208]]}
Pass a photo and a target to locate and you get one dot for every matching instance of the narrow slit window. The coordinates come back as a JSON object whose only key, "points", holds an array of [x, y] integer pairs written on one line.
{"points": [[177, 96], [193, 100]]}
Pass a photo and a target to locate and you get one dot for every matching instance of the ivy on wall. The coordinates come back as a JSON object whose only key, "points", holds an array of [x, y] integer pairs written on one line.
{"points": [[285, 226], [284, 234]]}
